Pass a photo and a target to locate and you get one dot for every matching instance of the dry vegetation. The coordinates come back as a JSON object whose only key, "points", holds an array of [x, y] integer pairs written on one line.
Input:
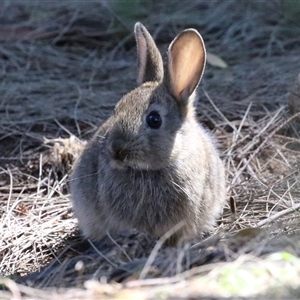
{"points": [[64, 64]]}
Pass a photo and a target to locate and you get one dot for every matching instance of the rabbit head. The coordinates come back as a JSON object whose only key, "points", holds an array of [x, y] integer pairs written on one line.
{"points": [[147, 120]]}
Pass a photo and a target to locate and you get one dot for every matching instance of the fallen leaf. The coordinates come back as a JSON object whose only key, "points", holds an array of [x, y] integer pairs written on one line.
{"points": [[216, 61]]}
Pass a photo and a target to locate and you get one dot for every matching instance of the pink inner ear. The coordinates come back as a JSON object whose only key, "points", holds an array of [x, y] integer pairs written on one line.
{"points": [[186, 63]]}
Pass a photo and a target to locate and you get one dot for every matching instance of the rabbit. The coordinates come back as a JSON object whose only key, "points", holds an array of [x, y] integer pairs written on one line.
{"points": [[151, 165]]}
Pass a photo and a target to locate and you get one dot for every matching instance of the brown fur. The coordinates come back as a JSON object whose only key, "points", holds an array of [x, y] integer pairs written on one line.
{"points": [[133, 176]]}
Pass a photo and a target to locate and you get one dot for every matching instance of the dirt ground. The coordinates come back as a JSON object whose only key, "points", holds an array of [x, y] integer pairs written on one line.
{"points": [[64, 65]]}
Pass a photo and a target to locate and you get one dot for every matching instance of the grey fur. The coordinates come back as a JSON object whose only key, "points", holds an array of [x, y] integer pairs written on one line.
{"points": [[133, 176]]}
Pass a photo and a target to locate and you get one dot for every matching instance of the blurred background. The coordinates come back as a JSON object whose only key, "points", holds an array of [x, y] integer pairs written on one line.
{"points": [[70, 61]]}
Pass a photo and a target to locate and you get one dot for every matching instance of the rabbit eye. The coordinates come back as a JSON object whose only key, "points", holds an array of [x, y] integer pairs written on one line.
{"points": [[154, 120]]}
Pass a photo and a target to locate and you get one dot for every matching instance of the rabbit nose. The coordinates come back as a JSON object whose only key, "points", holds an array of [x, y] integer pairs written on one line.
{"points": [[120, 154], [118, 149]]}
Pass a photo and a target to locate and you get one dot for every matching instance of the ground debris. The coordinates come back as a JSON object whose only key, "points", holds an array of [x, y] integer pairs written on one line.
{"points": [[64, 65]]}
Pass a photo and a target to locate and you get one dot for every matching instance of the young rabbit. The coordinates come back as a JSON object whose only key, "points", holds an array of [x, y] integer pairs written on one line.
{"points": [[151, 165]]}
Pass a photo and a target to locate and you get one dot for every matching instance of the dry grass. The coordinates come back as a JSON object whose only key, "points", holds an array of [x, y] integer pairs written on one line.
{"points": [[63, 67]]}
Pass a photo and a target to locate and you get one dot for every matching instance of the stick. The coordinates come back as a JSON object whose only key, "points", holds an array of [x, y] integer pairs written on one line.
{"points": [[278, 215]]}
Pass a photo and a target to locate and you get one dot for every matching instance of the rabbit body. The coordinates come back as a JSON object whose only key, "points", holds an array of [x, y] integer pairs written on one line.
{"points": [[151, 165]]}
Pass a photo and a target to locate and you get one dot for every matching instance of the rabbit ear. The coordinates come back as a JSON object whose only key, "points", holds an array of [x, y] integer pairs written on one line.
{"points": [[150, 64], [186, 63]]}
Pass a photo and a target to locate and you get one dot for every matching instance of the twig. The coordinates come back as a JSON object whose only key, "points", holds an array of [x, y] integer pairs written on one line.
{"points": [[278, 215], [156, 248], [241, 170], [217, 110], [101, 254], [118, 246]]}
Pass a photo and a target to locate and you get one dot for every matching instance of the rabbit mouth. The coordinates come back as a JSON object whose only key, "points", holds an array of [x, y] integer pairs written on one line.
{"points": [[136, 164], [128, 161]]}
